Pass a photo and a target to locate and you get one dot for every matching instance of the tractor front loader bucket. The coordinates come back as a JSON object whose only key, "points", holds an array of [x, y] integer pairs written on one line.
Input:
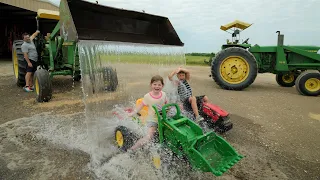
{"points": [[211, 153], [81, 20], [206, 152]]}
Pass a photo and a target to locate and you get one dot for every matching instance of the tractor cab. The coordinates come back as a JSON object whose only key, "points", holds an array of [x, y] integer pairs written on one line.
{"points": [[236, 27], [47, 16]]}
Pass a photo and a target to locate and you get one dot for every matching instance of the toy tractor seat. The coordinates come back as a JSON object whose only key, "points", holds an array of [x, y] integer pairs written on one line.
{"points": [[144, 112], [234, 34]]}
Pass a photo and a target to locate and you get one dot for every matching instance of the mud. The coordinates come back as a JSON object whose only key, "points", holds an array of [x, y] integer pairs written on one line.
{"points": [[275, 128]]}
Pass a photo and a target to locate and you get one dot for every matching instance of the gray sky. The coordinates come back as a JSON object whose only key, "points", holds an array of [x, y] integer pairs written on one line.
{"points": [[198, 22]]}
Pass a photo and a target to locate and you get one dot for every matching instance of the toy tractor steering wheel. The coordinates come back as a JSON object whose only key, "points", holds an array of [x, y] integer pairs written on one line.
{"points": [[163, 112], [246, 41]]}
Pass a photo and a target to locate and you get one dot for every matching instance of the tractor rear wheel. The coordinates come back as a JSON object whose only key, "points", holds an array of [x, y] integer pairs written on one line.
{"points": [[234, 68], [124, 138], [42, 85], [286, 79], [308, 83], [19, 64], [110, 79]]}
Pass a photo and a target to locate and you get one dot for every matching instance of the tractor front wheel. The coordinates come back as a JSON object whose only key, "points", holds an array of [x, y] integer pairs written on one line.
{"points": [[42, 85], [124, 138], [286, 79], [234, 68], [308, 83]]}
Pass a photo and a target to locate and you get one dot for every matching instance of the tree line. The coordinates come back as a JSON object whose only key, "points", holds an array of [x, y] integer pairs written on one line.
{"points": [[201, 54]]}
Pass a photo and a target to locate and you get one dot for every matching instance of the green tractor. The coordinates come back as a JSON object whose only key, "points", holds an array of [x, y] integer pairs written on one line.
{"points": [[77, 21], [179, 139], [236, 66]]}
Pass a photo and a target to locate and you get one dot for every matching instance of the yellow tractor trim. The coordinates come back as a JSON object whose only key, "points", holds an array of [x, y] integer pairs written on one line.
{"points": [[48, 14], [236, 24], [15, 64]]}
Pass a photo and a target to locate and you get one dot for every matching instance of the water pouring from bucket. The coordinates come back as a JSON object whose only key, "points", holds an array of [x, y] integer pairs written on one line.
{"points": [[124, 49]]}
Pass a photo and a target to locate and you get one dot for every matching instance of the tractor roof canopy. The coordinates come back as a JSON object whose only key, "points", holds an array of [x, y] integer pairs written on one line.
{"points": [[48, 14], [235, 24]]}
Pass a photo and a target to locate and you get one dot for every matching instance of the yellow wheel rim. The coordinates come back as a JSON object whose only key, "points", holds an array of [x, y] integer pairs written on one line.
{"points": [[119, 138], [312, 84], [36, 84], [234, 69], [288, 78], [15, 64], [156, 161]]}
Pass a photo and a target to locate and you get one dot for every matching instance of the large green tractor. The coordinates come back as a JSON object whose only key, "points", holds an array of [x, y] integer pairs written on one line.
{"points": [[79, 20], [236, 66]]}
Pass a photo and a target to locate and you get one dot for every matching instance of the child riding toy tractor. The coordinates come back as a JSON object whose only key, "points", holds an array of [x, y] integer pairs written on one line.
{"points": [[214, 117], [206, 152]]}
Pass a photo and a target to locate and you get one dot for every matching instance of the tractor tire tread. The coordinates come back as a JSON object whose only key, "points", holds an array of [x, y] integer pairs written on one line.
{"points": [[45, 87], [220, 56], [128, 137], [22, 64], [282, 83], [302, 78]]}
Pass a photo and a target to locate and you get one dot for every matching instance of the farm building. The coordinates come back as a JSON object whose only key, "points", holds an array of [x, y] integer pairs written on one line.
{"points": [[17, 17]]}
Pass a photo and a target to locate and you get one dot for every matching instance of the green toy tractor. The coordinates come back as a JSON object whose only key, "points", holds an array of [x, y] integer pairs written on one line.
{"points": [[78, 21], [236, 66], [182, 138]]}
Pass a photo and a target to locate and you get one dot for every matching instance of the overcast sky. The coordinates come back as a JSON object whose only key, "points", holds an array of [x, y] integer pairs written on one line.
{"points": [[198, 22]]}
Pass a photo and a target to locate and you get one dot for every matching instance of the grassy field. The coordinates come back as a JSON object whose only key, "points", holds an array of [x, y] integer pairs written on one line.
{"points": [[196, 60], [155, 59]]}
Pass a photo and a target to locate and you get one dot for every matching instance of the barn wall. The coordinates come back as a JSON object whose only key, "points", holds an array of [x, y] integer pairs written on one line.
{"points": [[17, 17], [32, 5]]}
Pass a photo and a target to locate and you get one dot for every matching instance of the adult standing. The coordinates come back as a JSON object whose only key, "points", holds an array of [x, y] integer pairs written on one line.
{"points": [[31, 56]]}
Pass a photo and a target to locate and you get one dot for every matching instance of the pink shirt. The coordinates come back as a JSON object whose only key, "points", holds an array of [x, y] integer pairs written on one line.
{"points": [[149, 100]]}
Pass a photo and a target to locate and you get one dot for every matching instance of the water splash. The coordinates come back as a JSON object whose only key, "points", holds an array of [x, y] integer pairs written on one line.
{"points": [[134, 64]]}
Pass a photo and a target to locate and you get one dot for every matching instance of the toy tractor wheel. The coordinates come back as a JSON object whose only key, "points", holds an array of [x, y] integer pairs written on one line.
{"points": [[308, 83], [124, 138], [161, 158], [234, 68], [110, 79], [286, 80], [19, 64], [156, 160], [42, 85]]}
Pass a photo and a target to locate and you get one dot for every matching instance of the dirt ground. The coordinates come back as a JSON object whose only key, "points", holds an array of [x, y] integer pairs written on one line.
{"points": [[275, 128]]}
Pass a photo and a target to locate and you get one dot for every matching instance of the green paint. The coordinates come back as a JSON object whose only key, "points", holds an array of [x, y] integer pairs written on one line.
{"points": [[205, 152]]}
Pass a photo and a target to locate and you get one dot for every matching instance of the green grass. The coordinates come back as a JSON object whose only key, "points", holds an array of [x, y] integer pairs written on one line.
{"points": [[197, 60], [153, 59]]}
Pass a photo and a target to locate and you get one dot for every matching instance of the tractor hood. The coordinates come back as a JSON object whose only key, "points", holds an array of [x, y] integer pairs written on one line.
{"points": [[81, 20]]}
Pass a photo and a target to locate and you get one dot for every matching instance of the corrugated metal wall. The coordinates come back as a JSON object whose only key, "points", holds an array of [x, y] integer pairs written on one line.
{"points": [[32, 5]]}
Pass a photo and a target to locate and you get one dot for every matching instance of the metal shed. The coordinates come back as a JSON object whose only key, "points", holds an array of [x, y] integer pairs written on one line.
{"points": [[17, 17]]}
